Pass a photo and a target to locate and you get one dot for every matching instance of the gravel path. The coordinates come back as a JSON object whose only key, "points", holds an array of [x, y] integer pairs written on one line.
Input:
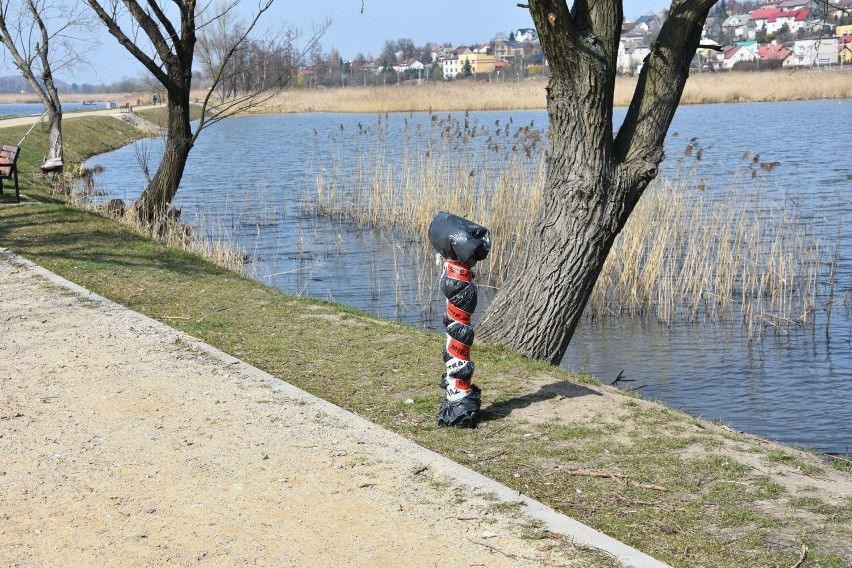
{"points": [[125, 443]]}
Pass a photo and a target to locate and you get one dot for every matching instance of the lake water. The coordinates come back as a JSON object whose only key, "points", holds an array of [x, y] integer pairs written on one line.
{"points": [[35, 109], [795, 388]]}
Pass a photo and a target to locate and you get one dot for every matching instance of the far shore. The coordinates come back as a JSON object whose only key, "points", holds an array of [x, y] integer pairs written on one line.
{"points": [[528, 94]]}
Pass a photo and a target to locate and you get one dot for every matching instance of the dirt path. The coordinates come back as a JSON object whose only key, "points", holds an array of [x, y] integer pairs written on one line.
{"points": [[126, 444], [29, 120]]}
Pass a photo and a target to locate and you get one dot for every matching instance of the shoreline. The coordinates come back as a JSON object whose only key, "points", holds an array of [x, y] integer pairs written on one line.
{"points": [[458, 96], [548, 431]]}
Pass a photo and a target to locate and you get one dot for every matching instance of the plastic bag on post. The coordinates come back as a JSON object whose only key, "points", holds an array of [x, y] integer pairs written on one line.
{"points": [[461, 244], [458, 239]]}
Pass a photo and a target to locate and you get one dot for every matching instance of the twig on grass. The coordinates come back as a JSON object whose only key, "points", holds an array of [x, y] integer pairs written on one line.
{"points": [[802, 557], [493, 549]]}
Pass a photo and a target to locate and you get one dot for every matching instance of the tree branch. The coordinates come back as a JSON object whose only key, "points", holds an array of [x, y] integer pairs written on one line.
{"points": [[640, 139], [166, 23], [116, 31]]}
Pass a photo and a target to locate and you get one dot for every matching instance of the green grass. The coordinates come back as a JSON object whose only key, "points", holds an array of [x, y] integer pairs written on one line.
{"points": [[675, 492]]}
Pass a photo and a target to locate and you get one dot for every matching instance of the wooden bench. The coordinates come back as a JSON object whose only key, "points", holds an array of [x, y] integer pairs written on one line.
{"points": [[9, 168]]}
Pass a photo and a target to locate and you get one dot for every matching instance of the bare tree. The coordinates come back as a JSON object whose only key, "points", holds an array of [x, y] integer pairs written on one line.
{"points": [[594, 178], [163, 35], [43, 37]]}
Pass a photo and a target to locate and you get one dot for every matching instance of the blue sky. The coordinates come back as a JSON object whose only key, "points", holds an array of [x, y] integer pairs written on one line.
{"points": [[351, 31]]}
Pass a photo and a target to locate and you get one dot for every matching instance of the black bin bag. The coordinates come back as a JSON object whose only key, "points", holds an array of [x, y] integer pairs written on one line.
{"points": [[461, 244], [458, 239]]}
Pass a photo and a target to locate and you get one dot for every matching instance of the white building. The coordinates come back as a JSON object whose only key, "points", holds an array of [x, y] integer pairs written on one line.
{"points": [[815, 52]]}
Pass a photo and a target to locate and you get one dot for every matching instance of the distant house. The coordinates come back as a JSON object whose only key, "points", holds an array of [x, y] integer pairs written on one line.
{"points": [[409, 64], [795, 4], [451, 64], [643, 24], [815, 52], [771, 20], [479, 62], [774, 53], [439, 53], [454, 64], [845, 53], [526, 34], [635, 59], [737, 54], [505, 50], [740, 26], [631, 56], [839, 8]]}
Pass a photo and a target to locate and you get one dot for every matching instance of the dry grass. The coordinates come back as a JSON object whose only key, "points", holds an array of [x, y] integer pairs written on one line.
{"points": [[768, 86], [782, 85], [380, 189], [685, 254], [454, 95]]}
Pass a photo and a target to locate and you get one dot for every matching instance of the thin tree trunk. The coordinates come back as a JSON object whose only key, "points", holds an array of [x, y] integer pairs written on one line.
{"points": [[54, 149]]}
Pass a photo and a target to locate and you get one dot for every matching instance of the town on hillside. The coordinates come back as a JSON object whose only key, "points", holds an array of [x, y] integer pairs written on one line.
{"points": [[742, 36], [737, 35]]}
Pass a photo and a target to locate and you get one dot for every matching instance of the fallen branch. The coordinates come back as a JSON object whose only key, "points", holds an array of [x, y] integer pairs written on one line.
{"points": [[802, 557], [838, 458], [651, 486], [596, 473], [184, 318], [493, 549]]}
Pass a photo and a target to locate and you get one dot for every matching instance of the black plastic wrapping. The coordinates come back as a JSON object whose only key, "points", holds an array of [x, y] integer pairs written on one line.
{"points": [[462, 412], [461, 244], [458, 239]]}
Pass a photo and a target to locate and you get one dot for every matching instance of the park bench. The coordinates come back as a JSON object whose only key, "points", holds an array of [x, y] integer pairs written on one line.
{"points": [[9, 167]]}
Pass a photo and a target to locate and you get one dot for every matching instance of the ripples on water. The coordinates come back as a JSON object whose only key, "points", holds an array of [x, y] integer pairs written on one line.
{"points": [[795, 389]]}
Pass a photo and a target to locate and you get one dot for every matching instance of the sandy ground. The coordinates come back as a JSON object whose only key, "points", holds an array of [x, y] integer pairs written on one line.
{"points": [[124, 444]]}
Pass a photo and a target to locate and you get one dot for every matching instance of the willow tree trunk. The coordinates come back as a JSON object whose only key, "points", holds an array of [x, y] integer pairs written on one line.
{"points": [[152, 207], [594, 180]]}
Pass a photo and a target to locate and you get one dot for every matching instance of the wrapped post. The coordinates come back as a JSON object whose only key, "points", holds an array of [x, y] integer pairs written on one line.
{"points": [[460, 244]]}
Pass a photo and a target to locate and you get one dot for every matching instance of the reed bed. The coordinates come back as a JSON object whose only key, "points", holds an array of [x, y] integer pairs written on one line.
{"points": [[477, 170], [766, 86], [686, 254], [425, 97]]}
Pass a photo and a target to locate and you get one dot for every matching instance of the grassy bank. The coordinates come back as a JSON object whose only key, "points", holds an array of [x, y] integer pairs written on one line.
{"points": [[687, 491]]}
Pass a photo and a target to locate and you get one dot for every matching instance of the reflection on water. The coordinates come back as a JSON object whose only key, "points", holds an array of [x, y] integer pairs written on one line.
{"points": [[795, 388]]}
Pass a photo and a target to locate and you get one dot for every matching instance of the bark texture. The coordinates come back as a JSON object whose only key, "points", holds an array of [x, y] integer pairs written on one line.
{"points": [[171, 64], [594, 179]]}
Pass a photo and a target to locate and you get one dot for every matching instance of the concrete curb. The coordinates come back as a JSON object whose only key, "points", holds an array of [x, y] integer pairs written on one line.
{"points": [[554, 521]]}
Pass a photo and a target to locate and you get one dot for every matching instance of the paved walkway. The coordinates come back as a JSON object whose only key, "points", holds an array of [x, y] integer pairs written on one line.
{"points": [[29, 120], [128, 443]]}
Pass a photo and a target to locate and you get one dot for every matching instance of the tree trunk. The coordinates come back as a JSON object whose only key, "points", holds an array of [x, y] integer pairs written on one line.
{"points": [[593, 179], [54, 118], [153, 205], [539, 306]]}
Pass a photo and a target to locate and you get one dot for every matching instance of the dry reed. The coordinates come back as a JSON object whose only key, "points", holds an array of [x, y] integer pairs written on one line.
{"points": [[685, 254], [766, 86]]}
